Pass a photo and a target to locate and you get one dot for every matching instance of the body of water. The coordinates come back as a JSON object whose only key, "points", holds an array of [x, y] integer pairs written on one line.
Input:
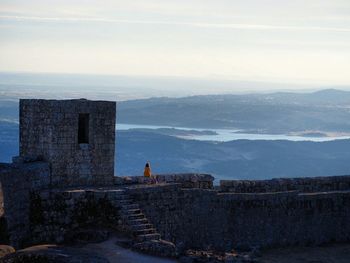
{"points": [[224, 135]]}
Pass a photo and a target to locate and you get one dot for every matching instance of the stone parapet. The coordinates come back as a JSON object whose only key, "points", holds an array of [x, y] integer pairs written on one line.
{"points": [[307, 184], [187, 180]]}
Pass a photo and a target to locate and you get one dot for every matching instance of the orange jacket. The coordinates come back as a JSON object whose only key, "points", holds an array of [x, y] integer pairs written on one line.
{"points": [[147, 172]]}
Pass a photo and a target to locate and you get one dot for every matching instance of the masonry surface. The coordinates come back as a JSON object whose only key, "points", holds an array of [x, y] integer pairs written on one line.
{"points": [[63, 182], [50, 129]]}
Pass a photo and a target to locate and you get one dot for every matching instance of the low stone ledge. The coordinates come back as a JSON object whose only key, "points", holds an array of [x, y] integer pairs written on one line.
{"points": [[187, 180]]}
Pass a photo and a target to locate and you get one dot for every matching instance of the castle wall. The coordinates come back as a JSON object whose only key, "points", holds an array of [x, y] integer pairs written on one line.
{"points": [[59, 215], [18, 181], [284, 219], [201, 218], [186, 212], [307, 184], [75, 136]]}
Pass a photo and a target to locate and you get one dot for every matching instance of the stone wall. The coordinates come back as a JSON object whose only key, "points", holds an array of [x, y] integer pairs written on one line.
{"points": [[204, 219], [308, 184], [18, 181], [284, 219], [188, 180], [49, 129], [59, 215]]}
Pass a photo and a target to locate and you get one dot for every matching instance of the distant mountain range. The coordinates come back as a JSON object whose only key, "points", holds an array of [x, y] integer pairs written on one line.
{"points": [[326, 110], [274, 113]]}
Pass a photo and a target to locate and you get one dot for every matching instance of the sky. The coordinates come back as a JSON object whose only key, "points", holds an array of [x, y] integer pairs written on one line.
{"points": [[304, 42]]}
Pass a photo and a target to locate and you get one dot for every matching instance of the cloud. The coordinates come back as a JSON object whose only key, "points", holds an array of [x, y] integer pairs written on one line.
{"points": [[234, 26]]}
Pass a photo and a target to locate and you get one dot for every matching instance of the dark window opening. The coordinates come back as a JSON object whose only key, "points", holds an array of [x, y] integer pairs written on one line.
{"points": [[83, 130]]}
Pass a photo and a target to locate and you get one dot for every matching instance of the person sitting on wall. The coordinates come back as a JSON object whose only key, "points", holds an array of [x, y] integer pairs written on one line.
{"points": [[148, 173]]}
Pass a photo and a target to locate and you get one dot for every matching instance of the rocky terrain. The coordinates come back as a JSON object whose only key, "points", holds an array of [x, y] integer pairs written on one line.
{"points": [[108, 251]]}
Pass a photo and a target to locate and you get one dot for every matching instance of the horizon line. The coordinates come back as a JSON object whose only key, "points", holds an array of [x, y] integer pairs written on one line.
{"points": [[233, 26]]}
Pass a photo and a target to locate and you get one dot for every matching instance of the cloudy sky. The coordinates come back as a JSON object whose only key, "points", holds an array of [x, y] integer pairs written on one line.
{"points": [[299, 41]]}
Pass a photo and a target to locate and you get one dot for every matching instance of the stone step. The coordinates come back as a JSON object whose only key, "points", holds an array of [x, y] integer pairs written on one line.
{"points": [[148, 237], [138, 222], [129, 217], [136, 216], [146, 231], [141, 226]]}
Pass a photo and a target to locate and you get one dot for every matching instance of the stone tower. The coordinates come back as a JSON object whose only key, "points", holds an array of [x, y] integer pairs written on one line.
{"points": [[77, 138]]}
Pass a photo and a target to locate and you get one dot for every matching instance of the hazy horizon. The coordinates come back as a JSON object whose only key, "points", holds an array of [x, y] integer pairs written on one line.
{"points": [[94, 86]]}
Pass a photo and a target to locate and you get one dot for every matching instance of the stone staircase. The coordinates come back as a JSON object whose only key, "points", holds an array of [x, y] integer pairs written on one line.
{"points": [[145, 236], [136, 221]]}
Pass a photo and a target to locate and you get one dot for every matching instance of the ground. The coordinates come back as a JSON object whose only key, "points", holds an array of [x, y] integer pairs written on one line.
{"points": [[339, 253], [103, 252], [110, 251], [115, 253]]}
